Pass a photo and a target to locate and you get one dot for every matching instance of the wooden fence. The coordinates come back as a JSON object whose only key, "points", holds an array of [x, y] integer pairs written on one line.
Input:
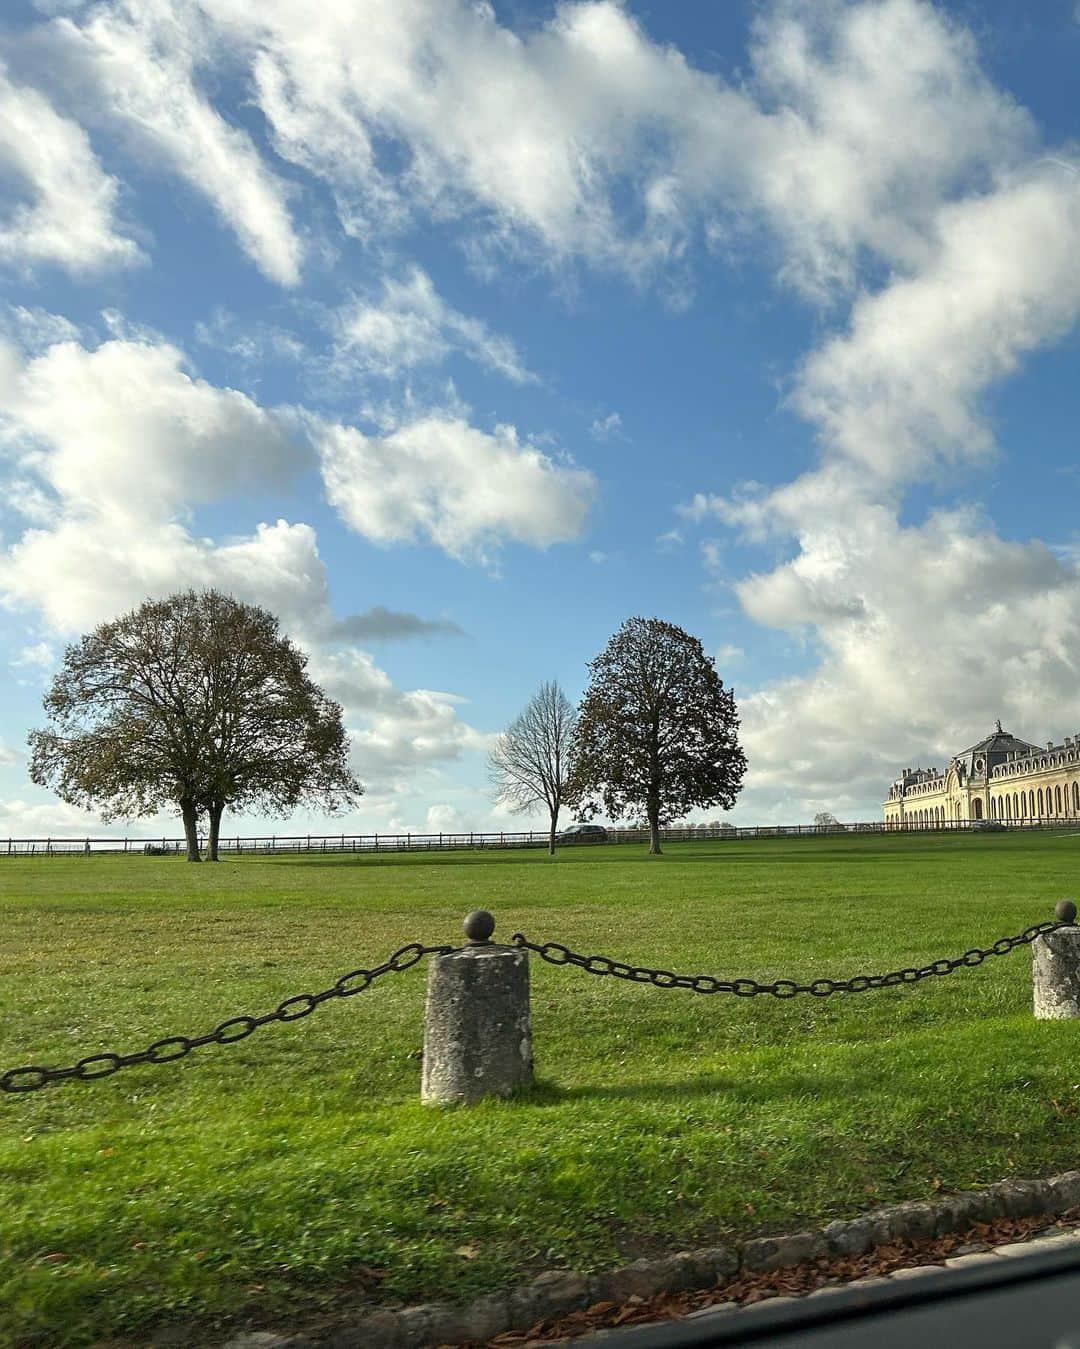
{"points": [[532, 838]]}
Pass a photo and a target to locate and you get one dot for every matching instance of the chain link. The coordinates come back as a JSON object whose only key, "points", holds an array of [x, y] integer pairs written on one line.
{"points": [[557, 954], [174, 1047]]}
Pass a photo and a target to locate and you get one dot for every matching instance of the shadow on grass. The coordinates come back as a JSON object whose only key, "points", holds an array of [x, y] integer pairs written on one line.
{"points": [[507, 856], [546, 1093], [835, 1082]]}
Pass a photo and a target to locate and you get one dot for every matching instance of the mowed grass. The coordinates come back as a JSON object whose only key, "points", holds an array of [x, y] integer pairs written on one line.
{"points": [[297, 1170]]}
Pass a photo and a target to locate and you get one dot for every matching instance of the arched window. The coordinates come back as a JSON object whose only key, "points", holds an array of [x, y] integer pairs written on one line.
{"points": [[1076, 798], [1031, 802], [1057, 802], [1039, 799], [978, 811], [1015, 806]]}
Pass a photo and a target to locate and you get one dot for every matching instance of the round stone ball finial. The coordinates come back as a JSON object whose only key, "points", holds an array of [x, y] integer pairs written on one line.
{"points": [[479, 925], [1065, 911]]}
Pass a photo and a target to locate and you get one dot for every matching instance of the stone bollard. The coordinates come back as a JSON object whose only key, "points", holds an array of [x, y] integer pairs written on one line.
{"points": [[1055, 968], [477, 1028]]}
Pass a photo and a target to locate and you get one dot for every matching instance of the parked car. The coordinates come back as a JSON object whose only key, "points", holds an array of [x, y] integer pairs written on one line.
{"points": [[582, 833], [988, 826]]}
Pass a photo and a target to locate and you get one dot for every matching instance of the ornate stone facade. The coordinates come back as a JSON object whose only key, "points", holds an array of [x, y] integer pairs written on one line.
{"points": [[1000, 778]]}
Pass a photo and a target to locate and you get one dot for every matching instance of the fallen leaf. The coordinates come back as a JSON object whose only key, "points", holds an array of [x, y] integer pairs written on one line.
{"points": [[467, 1252]]}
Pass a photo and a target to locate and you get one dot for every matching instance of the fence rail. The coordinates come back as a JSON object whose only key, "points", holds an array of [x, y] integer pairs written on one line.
{"points": [[532, 838]]}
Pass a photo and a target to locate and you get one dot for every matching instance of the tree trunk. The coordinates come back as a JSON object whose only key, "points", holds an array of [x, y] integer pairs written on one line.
{"points": [[654, 827], [215, 829], [190, 817], [551, 832]]}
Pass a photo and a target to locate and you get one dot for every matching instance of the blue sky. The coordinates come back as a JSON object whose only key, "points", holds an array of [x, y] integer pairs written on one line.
{"points": [[516, 320]]}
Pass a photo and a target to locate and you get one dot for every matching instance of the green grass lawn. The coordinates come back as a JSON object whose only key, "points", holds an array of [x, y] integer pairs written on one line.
{"points": [[297, 1170]]}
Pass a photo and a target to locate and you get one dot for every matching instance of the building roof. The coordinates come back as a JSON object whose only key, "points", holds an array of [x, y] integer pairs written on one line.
{"points": [[1000, 742], [994, 750]]}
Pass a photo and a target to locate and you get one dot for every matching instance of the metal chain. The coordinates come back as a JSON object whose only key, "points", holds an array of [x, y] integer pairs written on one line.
{"points": [[173, 1047], [556, 954]]}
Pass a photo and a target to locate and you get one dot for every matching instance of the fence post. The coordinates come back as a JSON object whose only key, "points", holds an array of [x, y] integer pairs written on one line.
{"points": [[1055, 968], [477, 1026]]}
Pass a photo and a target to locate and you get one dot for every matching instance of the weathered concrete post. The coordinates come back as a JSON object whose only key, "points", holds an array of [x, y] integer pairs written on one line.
{"points": [[477, 1027], [1055, 967]]}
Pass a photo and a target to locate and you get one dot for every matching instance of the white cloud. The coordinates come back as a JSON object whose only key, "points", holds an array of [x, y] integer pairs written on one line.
{"points": [[125, 431], [122, 441], [580, 136], [36, 329], [729, 654], [898, 392], [42, 820], [464, 489], [80, 571], [873, 114], [604, 428], [69, 217], [143, 57], [38, 655], [402, 733], [251, 343], [598, 558], [853, 123], [919, 635], [443, 819], [411, 325], [927, 635], [8, 755]]}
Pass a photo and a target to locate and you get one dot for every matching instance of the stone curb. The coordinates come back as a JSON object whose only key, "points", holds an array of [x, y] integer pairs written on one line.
{"points": [[559, 1292]]}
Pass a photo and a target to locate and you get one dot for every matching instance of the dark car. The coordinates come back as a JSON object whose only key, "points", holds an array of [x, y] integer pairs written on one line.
{"points": [[988, 826], [582, 833]]}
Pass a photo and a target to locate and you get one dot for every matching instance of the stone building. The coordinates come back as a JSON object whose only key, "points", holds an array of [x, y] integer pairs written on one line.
{"points": [[1000, 778]]}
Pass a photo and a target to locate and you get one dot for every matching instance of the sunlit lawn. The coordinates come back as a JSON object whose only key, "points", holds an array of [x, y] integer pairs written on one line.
{"points": [[298, 1167]]}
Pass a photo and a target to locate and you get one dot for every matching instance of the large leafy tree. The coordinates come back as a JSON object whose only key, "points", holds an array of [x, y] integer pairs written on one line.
{"points": [[657, 732], [197, 702], [529, 762]]}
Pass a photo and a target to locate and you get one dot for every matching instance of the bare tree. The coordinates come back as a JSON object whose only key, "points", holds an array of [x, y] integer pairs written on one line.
{"points": [[529, 762]]}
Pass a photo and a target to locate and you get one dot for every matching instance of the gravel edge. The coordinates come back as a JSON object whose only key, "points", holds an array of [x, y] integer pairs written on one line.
{"points": [[557, 1293]]}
